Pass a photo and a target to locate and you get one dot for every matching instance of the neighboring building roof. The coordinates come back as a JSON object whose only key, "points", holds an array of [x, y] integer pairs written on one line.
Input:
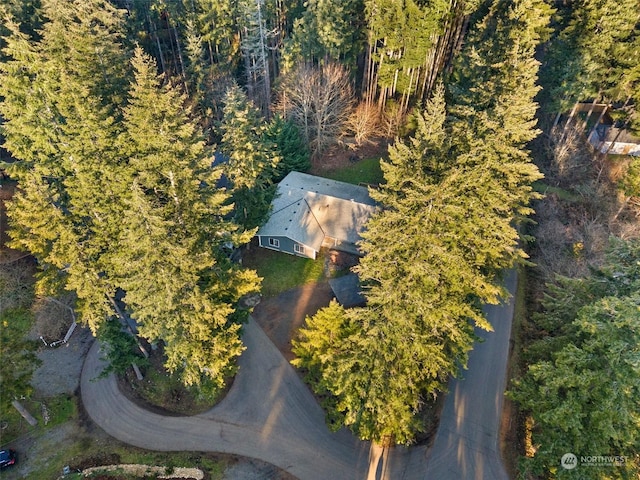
{"points": [[348, 291], [608, 133], [625, 142], [308, 208]]}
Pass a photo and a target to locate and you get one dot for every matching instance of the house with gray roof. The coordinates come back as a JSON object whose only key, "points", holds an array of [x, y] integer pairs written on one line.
{"points": [[310, 212]]}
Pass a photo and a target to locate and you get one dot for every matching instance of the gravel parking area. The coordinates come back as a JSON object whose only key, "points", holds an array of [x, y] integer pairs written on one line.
{"points": [[61, 366]]}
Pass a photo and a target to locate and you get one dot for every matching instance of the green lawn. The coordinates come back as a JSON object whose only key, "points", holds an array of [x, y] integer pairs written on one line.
{"points": [[366, 171], [281, 271]]}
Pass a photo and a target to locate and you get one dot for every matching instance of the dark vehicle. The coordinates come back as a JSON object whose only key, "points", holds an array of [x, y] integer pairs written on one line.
{"points": [[7, 458]]}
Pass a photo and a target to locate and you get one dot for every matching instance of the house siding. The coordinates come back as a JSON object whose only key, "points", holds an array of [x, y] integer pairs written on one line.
{"points": [[286, 246]]}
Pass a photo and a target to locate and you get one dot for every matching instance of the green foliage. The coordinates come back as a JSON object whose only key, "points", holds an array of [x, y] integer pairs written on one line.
{"points": [[631, 181], [119, 195], [121, 348], [171, 263], [322, 336], [292, 150], [253, 159], [407, 30], [167, 391], [370, 382], [595, 55], [494, 79], [60, 128], [18, 360], [328, 30], [433, 254], [582, 385]]}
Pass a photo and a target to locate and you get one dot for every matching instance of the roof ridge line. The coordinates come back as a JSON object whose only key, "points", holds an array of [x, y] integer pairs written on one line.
{"points": [[314, 216], [288, 205]]}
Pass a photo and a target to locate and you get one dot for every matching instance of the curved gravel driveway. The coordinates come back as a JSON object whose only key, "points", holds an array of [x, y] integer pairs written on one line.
{"points": [[270, 415]]}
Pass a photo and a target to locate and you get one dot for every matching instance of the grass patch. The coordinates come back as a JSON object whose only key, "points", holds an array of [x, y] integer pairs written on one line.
{"points": [[366, 171], [57, 410], [281, 272], [19, 320], [61, 409], [562, 194]]}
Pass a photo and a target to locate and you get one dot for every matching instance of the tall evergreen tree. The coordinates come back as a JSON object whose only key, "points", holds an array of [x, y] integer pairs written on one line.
{"points": [[329, 30], [293, 151], [595, 55], [434, 254], [255, 47], [60, 121], [252, 158], [179, 283], [583, 380]]}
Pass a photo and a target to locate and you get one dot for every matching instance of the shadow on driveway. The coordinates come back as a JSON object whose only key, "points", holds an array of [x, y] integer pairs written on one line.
{"points": [[281, 316]]}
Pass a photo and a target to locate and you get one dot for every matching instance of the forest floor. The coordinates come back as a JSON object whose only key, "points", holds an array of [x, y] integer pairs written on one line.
{"points": [[343, 154]]}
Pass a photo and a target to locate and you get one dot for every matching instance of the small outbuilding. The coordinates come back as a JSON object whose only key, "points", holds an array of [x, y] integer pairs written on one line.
{"points": [[348, 291], [310, 212], [609, 139]]}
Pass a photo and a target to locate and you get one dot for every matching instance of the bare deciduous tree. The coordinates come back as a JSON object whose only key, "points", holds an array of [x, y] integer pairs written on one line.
{"points": [[364, 122], [393, 117], [319, 100]]}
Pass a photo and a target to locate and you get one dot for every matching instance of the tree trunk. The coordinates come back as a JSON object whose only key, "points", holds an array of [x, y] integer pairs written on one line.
{"points": [[368, 72], [182, 71], [125, 323], [25, 414], [568, 122], [265, 65], [615, 139], [460, 31], [137, 371], [593, 105], [571, 115], [595, 125], [154, 34]]}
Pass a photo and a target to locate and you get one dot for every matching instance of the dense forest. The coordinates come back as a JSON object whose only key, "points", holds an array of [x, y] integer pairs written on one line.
{"points": [[113, 114]]}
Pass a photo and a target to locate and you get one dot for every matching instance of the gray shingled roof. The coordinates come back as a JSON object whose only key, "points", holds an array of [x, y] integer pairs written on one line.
{"points": [[308, 208]]}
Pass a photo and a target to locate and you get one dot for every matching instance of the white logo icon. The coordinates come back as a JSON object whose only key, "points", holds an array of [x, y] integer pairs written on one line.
{"points": [[569, 461]]}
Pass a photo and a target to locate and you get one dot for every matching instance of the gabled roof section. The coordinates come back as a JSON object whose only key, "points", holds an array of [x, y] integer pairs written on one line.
{"points": [[295, 221], [308, 208]]}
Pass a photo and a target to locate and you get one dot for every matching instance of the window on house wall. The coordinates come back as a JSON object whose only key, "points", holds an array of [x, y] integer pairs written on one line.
{"points": [[298, 248], [274, 242]]}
